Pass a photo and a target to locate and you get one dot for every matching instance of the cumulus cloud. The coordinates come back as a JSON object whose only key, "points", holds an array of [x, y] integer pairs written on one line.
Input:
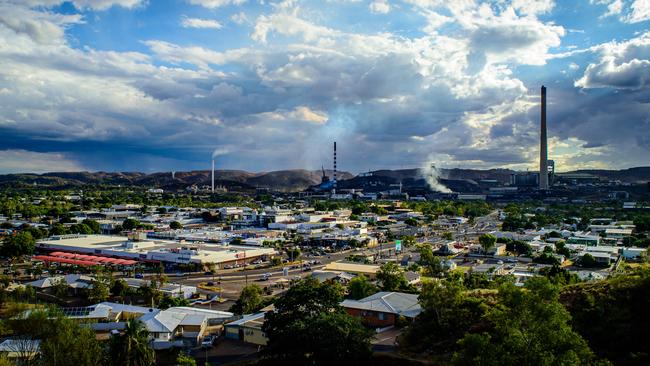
{"points": [[622, 65], [634, 11], [23, 161], [379, 7], [200, 23]]}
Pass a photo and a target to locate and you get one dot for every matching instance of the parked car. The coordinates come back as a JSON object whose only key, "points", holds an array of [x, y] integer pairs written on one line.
{"points": [[207, 342]]}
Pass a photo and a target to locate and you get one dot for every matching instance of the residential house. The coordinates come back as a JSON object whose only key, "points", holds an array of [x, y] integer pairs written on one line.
{"points": [[248, 329], [383, 308]]}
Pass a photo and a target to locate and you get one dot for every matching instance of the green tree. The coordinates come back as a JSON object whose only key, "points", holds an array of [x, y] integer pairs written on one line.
{"points": [[130, 224], [169, 302], [250, 300], [487, 241], [391, 277], [131, 348], [60, 288], [529, 327], [588, 260], [58, 229], [408, 240], [359, 287], [100, 289], [94, 226], [448, 313], [184, 359], [432, 264], [411, 222], [175, 225], [448, 235], [308, 327], [18, 245], [71, 344], [81, 229]]}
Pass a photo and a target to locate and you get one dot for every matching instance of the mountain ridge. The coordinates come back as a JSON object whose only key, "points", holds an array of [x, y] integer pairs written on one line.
{"points": [[280, 180]]}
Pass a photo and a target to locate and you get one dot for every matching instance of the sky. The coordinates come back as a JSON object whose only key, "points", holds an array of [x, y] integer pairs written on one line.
{"points": [[164, 85]]}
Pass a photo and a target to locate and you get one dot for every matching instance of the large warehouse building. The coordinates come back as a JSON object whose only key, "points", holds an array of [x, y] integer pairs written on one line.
{"points": [[148, 250]]}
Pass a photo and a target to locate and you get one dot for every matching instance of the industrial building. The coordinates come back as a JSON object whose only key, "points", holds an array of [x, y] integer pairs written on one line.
{"points": [[172, 252]]}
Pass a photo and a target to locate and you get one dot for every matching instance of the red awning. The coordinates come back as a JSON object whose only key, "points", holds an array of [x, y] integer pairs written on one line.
{"points": [[96, 260], [46, 258]]}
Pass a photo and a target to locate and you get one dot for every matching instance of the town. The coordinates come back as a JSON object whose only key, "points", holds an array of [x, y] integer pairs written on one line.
{"points": [[201, 278]]}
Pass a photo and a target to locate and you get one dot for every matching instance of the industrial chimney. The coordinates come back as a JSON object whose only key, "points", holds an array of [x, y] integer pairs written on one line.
{"points": [[334, 180], [212, 175], [543, 147]]}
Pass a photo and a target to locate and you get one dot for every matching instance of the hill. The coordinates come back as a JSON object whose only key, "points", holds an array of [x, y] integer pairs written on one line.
{"points": [[282, 180]]}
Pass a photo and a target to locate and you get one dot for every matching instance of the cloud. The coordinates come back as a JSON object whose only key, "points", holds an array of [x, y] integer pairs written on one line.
{"points": [[239, 18], [213, 4], [635, 11], [23, 161], [460, 88], [640, 11], [82, 4], [622, 65], [200, 23], [42, 27], [379, 7]]}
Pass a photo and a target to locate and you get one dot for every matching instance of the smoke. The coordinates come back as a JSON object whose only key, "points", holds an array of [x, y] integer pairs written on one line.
{"points": [[219, 151], [316, 149], [431, 175]]}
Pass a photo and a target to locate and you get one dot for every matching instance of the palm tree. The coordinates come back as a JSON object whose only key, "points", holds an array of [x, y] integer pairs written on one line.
{"points": [[132, 348]]}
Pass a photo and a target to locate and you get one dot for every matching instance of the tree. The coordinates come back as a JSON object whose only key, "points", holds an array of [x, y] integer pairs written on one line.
{"points": [[359, 287], [391, 277], [94, 226], [63, 341], [529, 327], [169, 302], [60, 287], [487, 242], [58, 229], [448, 313], [448, 235], [588, 260], [100, 290], [408, 240], [150, 292], [120, 288], [250, 300], [132, 348], [184, 359], [411, 222], [71, 344], [175, 225], [81, 229], [293, 253], [130, 224], [18, 245], [308, 327]]}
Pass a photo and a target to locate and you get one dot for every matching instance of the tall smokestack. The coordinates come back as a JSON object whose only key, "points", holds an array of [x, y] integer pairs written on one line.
{"points": [[212, 175], [543, 147], [334, 183]]}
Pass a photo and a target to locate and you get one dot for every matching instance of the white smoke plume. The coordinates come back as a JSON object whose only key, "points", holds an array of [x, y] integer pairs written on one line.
{"points": [[218, 152], [431, 175]]}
